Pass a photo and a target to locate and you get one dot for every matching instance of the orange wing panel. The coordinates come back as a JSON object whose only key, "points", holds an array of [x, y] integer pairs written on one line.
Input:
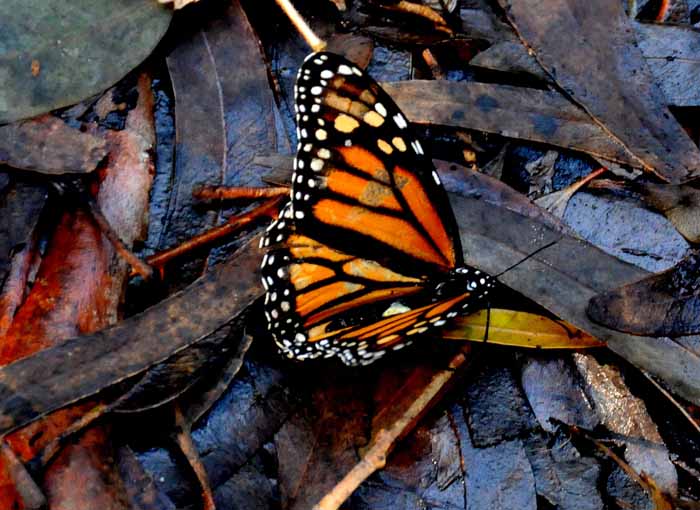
{"points": [[308, 302], [366, 192], [370, 270], [302, 275], [422, 207], [302, 247], [364, 160], [394, 232]]}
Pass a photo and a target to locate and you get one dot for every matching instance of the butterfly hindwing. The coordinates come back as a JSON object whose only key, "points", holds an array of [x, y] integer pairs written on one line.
{"points": [[324, 302]]}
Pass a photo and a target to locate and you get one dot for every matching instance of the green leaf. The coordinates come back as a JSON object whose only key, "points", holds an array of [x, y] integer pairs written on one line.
{"points": [[54, 54]]}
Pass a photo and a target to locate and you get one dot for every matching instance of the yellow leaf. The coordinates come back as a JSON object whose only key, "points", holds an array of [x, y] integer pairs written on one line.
{"points": [[520, 329]]}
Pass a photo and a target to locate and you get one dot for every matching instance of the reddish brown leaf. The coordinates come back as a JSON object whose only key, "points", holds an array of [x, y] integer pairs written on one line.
{"points": [[85, 476], [77, 290]]}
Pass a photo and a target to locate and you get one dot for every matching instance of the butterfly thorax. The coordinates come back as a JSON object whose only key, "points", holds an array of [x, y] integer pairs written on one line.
{"points": [[464, 279]]}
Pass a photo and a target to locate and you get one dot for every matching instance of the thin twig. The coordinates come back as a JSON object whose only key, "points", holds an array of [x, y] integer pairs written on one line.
{"points": [[137, 265], [299, 22], [237, 192], [235, 223], [183, 438], [423, 11], [666, 394], [663, 10], [567, 193], [385, 439], [433, 64]]}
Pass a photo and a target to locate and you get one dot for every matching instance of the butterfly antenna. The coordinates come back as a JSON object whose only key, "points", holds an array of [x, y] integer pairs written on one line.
{"points": [[301, 25], [538, 250]]}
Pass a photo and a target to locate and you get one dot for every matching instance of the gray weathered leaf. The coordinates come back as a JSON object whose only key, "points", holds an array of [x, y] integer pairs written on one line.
{"points": [[54, 54]]}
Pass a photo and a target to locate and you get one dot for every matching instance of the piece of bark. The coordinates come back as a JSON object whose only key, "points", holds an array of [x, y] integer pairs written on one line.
{"points": [[497, 408], [622, 96], [48, 145]]}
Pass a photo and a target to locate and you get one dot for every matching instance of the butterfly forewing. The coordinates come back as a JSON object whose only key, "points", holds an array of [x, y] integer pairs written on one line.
{"points": [[366, 252], [361, 178]]}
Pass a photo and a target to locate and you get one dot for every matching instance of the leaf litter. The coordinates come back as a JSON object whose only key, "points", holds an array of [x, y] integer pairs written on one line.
{"points": [[647, 130], [77, 289], [490, 431]]}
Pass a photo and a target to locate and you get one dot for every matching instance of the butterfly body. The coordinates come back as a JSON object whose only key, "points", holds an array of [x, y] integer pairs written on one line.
{"points": [[366, 253]]}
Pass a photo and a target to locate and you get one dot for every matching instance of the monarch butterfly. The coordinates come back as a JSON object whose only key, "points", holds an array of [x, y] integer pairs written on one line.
{"points": [[366, 253]]}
